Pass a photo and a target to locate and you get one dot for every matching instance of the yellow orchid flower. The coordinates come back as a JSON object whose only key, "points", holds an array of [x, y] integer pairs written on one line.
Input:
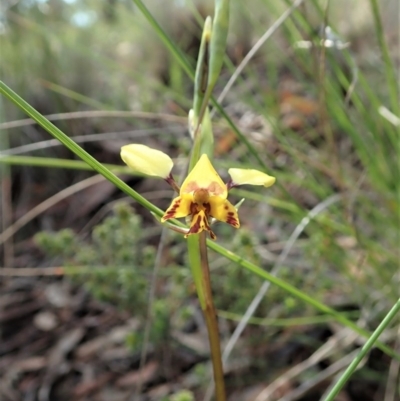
{"points": [[203, 194]]}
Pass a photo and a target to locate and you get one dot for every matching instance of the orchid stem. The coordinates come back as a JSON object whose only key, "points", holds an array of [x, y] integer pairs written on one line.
{"points": [[211, 322]]}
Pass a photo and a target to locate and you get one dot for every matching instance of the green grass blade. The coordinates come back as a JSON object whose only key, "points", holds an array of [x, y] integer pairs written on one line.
{"points": [[169, 44], [51, 162], [298, 294], [364, 350], [75, 148]]}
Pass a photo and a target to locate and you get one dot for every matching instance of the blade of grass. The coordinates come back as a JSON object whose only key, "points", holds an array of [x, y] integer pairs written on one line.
{"points": [[169, 44], [50, 162], [298, 294], [75, 148], [74, 95], [280, 322], [97, 114], [364, 350], [5, 198]]}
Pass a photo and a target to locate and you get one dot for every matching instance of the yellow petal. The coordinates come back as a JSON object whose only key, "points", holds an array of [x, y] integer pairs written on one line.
{"points": [[223, 210], [204, 176], [180, 207], [146, 160], [200, 223], [249, 176]]}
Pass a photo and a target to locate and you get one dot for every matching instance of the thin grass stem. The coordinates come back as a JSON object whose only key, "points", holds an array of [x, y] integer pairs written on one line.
{"points": [[364, 350]]}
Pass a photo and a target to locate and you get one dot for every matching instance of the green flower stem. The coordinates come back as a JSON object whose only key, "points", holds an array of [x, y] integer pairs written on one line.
{"points": [[364, 350], [198, 260], [195, 266], [210, 316]]}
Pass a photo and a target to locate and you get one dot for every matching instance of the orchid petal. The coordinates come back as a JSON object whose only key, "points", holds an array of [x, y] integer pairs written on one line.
{"points": [[180, 207], [249, 176], [200, 223], [146, 160], [223, 210], [204, 176]]}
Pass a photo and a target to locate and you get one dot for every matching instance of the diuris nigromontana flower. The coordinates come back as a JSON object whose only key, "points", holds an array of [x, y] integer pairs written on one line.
{"points": [[203, 194]]}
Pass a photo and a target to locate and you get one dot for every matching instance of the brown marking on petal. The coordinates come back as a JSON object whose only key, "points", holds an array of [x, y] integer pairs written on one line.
{"points": [[215, 188], [208, 228], [233, 222], [196, 227], [170, 213], [230, 214], [201, 223], [206, 225], [193, 209], [226, 207], [201, 203], [190, 187]]}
